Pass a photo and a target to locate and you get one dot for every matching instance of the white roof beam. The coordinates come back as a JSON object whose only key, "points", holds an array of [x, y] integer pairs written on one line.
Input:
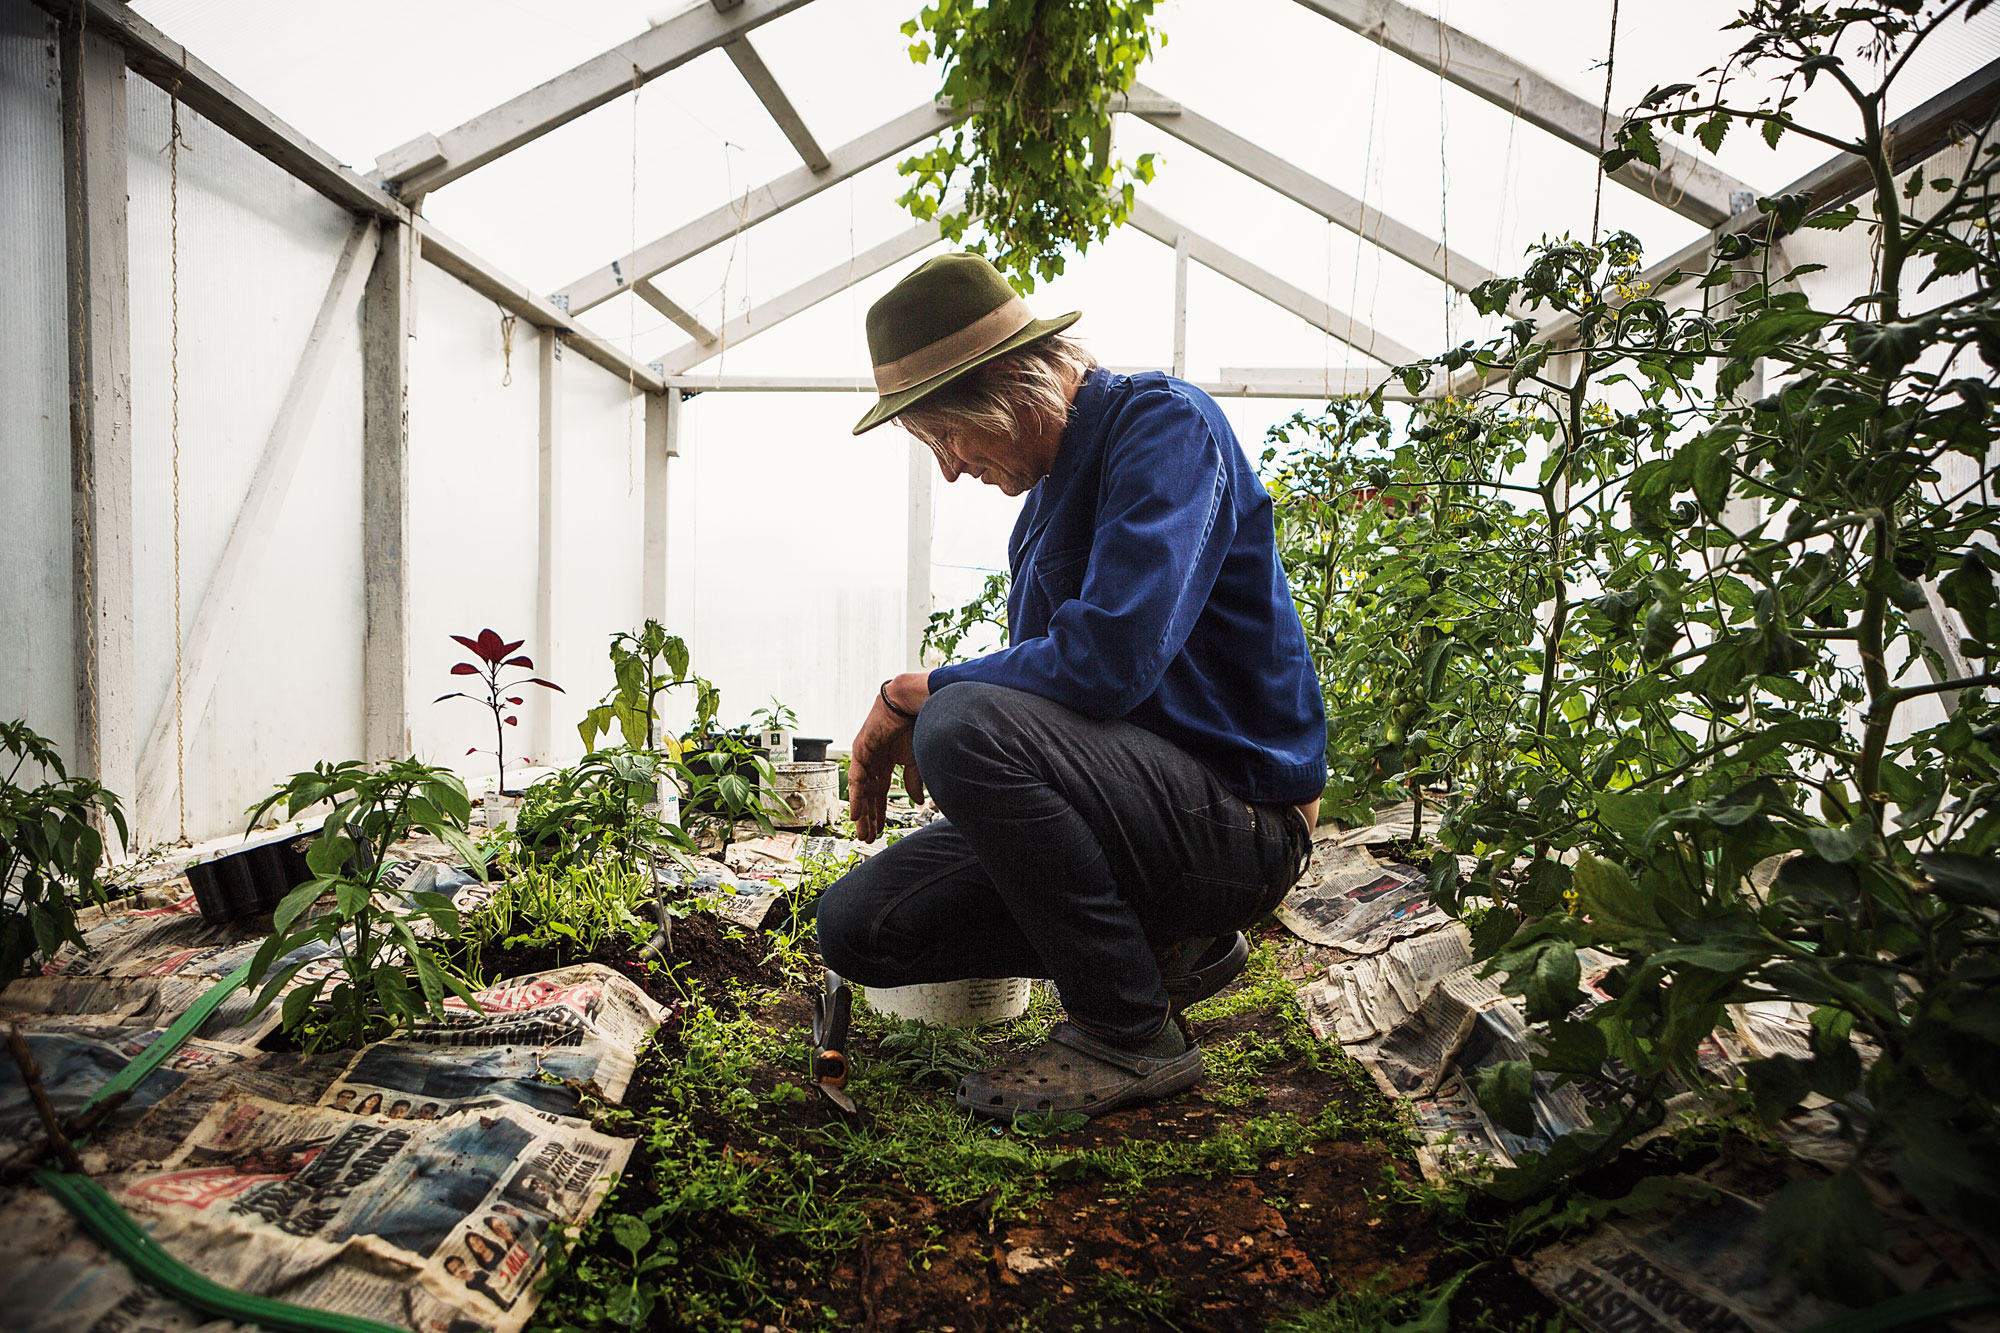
{"points": [[765, 84], [1682, 182], [804, 297], [659, 300], [1336, 206], [1233, 384], [511, 295], [430, 162], [766, 201], [1271, 287]]}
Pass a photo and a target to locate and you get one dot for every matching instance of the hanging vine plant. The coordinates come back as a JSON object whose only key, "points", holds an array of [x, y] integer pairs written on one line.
{"points": [[1034, 157]]}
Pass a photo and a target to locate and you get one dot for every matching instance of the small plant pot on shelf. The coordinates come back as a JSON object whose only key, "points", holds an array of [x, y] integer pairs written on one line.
{"points": [[810, 749], [253, 880], [960, 1004], [808, 793], [501, 807]]}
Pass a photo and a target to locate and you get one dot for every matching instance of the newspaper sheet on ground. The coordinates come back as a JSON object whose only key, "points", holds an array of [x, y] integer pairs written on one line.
{"points": [[1411, 1059], [589, 996], [1351, 902], [1364, 997], [433, 1225], [77, 1058]]}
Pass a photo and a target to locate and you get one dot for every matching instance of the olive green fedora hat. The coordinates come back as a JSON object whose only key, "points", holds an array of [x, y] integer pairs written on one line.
{"points": [[953, 313]]}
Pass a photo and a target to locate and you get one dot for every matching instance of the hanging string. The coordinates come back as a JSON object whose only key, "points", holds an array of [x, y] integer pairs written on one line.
{"points": [[1508, 193], [506, 349], [84, 470], [174, 375], [1604, 122], [1367, 181], [1444, 174], [632, 298]]}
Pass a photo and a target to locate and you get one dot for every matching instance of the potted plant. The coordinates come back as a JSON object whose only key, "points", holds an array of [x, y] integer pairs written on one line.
{"points": [[644, 665], [774, 728], [494, 656], [50, 848]]}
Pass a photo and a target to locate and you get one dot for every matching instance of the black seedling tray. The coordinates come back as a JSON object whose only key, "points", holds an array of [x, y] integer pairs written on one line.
{"points": [[254, 879]]}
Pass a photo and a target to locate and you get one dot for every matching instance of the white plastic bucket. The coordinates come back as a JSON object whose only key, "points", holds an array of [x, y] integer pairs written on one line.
{"points": [[960, 1004], [501, 809], [808, 793]]}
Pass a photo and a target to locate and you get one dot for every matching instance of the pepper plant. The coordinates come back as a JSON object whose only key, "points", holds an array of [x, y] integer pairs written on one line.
{"points": [[51, 844], [1738, 517], [387, 977], [946, 631], [494, 656], [644, 665]]}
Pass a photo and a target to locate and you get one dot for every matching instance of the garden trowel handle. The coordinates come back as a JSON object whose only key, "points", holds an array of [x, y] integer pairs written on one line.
{"points": [[831, 1012]]}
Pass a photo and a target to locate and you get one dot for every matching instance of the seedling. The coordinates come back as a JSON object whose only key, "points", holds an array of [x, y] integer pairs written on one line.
{"points": [[495, 656]]}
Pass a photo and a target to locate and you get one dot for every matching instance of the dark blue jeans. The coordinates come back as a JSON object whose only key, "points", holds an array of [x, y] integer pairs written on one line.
{"points": [[1071, 849]]}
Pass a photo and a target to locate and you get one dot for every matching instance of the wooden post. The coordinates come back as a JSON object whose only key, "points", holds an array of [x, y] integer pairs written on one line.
{"points": [[917, 585], [663, 430], [93, 110], [1181, 247], [385, 496], [548, 532]]}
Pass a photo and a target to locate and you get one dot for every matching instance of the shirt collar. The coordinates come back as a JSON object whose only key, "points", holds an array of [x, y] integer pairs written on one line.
{"points": [[1085, 411]]}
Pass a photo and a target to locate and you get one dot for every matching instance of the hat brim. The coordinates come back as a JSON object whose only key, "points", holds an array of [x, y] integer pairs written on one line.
{"points": [[888, 405]]}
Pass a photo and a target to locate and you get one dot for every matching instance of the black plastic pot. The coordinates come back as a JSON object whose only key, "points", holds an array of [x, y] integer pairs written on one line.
{"points": [[809, 750], [253, 880]]}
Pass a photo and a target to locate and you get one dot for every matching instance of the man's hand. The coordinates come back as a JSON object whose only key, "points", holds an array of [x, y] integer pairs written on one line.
{"points": [[880, 747]]}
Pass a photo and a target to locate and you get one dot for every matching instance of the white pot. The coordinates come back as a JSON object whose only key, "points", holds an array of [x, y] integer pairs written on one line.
{"points": [[960, 1004], [501, 807]]}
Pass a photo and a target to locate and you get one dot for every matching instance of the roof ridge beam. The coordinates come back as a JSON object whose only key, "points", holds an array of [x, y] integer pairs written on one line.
{"points": [[1335, 205], [804, 297], [765, 84], [430, 162], [757, 205], [1336, 323], [1682, 182]]}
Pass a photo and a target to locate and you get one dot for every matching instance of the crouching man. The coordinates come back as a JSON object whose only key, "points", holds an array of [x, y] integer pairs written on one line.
{"points": [[1133, 780]]}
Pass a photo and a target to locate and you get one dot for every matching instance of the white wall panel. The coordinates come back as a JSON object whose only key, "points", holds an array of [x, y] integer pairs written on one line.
{"points": [[604, 442], [255, 252], [473, 460], [35, 560]]}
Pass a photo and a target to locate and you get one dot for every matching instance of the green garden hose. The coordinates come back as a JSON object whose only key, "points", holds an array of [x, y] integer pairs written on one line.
{"points": [[163, 1047], [112, 1227]]}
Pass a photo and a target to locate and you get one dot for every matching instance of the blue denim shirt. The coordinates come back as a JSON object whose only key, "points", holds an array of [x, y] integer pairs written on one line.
{"points": [[1147, 587]]}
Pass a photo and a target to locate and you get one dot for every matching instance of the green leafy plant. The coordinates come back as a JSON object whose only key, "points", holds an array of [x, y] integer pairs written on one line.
{"points": [[51, 845], [645, 665], [945, 631], [777, 717], [1406, 561], [387, 976], [724, 780], [578, 909], [1040, 76], [601, 807], [1723, 589]]}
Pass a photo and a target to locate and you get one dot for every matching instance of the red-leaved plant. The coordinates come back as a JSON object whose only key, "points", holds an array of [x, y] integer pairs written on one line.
{"points": [[494, 654]]}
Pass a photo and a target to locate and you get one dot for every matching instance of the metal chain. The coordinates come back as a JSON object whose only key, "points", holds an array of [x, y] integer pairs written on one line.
{"points": [[174, 375], [1604, 122]]}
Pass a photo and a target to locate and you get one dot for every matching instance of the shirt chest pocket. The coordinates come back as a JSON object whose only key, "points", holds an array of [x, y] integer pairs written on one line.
{"points": [[1059, 575]]}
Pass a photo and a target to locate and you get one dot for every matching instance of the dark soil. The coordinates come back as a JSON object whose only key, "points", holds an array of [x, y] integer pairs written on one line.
{"points": [[702, 960], [1227, 1252]]}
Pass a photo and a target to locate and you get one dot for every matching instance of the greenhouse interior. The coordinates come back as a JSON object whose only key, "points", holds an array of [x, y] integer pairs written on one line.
{"points": [[1465, 529]]}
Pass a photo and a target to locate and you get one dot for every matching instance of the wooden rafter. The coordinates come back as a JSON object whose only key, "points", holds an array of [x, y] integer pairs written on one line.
{"points": [[432, 161], [1682, 182]]}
